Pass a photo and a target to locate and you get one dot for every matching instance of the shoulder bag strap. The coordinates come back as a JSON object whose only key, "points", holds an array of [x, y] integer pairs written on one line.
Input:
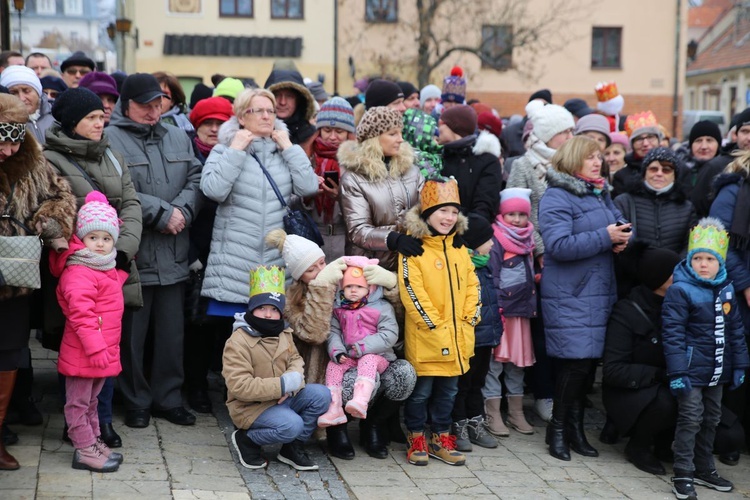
{"points": [[9, 217], [114, 161], [86, 176], [642, 312], [270, 179]]}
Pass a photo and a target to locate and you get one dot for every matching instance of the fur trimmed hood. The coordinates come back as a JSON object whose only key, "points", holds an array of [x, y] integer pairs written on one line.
{"points": [[229, 129], [571, 184], [487, 143], [417, 227], [365, 159]]}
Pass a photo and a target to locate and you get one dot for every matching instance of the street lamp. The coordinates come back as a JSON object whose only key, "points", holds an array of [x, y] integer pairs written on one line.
{"points": [[19, 5], [122, 26]]}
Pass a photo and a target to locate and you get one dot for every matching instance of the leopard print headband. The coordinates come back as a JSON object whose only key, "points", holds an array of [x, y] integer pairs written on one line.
{"points": [[12, 132]]}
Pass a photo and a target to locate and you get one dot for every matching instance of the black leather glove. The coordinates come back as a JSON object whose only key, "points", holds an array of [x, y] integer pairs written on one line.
{"points": [[458, 241], [122, 261], [406, 245]]}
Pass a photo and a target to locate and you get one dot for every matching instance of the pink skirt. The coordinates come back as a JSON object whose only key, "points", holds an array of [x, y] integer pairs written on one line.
{"points": [[515, 345]]}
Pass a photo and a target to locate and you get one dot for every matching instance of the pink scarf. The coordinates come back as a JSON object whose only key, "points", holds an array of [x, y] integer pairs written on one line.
{"points": [[597, 183], [517, 240]]}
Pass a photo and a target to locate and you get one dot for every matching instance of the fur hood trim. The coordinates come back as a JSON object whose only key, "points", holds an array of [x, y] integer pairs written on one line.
{"points": [[417, 227], [303, 91], [487, 143], [366, 159], [230, 127], [571, 184]]}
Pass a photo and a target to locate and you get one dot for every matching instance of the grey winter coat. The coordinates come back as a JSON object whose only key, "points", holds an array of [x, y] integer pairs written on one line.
{"points": [[526, 174], [248, 208], [165, 174]]}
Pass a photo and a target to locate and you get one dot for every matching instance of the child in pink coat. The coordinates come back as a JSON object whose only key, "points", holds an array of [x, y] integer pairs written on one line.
{"points": [[90, 295], [363, 332]]}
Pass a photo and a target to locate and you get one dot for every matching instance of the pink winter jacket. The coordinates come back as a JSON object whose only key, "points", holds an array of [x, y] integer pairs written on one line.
{"points": [[93, 305]]}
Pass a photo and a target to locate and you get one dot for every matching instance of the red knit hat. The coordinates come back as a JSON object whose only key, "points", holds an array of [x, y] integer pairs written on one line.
{"points": [[217, 108], [489, 122]]}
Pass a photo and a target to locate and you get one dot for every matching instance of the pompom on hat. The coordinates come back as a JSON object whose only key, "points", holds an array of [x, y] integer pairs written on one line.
{"points": [[336, 112], [609, 100], [97, 214], [454, 86], [298, 253], [515, 200], [438, 192], [548, 119], [708, 236], [378, 120], [267, 288]]}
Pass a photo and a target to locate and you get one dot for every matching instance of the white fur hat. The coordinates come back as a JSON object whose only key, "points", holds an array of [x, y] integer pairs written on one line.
{"points": [[298, 253], [548, 119]]}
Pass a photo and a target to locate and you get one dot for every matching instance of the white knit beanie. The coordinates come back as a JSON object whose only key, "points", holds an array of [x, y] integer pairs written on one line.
{"points": [[20, 75], [427, 92], [548, 119], [298, 253]]}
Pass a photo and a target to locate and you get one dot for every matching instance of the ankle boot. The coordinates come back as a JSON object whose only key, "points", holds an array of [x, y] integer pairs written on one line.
{"points": [[357, 406], [113, 455], [558, 444], [575, 432], [609, 434], [338, 442], [7, 381], [91, 458], [516, 418], [495, 424], [371, 438], [335, 414]]}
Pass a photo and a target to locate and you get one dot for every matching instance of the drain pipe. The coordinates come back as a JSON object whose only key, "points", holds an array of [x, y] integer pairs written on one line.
{"points": [[677, 51]]}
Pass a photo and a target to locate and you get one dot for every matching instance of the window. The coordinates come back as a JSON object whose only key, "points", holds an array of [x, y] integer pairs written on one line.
{"points": [[381, 11], [73, 7], [287, 9], [497, 46], [606, 48], [236, 8], [45, 7]]}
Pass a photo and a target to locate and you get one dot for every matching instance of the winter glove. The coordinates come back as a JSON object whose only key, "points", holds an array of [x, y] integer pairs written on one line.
{"points": [[291, 382], [333, 272], [458, 241], [406, 245], [99, 359], [738, 377], [196, 266], [680, 386], [376, 275]]}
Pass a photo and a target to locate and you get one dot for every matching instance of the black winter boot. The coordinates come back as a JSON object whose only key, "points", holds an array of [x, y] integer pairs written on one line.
{"points": [[575, 432], [558, 443], [338, 442]]}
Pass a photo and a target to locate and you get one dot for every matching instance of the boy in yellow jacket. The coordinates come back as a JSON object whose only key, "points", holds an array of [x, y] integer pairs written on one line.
{"points": [[440, 292]]}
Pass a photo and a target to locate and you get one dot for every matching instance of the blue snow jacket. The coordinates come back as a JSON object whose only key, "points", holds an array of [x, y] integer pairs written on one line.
{"points": [[489, 330]]}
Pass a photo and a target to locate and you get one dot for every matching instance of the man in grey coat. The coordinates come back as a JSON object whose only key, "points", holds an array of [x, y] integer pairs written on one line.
{"points": [[166, 176]]}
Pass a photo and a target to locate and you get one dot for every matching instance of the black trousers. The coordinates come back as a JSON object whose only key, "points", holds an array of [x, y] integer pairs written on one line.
{"points": [[570, 386], [469, 401], [660, 416]]}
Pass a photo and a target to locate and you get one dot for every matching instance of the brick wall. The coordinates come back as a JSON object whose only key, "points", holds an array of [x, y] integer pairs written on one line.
{"points": [[509, 103]]}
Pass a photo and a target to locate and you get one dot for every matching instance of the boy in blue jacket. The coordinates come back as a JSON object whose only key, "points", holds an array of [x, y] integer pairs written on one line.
{"points": [[704, 346]]}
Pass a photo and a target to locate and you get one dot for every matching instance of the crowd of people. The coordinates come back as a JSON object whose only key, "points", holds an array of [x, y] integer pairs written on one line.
{"points": [[463, 261]]}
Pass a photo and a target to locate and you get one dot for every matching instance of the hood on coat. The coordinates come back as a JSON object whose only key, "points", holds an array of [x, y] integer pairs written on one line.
{"points": [[569, 183], [57, 260], [417, 227], [487, 143], [289, 79], [58, 141], [229, 129], [725, 179], [366, 159]]}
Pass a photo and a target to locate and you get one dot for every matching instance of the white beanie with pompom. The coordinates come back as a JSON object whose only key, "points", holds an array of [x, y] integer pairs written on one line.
{"points": [[548, 119], [298, 253]]}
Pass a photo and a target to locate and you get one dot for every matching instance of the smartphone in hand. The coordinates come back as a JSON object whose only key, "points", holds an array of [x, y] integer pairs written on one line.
{"points": [[621, 223], [331, 176]]}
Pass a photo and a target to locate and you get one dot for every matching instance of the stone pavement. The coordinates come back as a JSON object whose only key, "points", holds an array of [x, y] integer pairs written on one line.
{"points": [[165, 461]]}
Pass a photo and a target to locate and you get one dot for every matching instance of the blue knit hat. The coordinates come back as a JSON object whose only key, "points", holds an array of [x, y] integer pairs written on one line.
{"points": [[336, 112]]}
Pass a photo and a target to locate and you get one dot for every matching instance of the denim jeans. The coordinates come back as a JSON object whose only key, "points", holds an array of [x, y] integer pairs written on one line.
{"points": [[294, 419], [105, 401], [698, 414], [434, 396]]}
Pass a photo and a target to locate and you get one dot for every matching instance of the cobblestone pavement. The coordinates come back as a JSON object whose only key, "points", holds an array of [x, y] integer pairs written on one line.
{"points": [[166, 461]]}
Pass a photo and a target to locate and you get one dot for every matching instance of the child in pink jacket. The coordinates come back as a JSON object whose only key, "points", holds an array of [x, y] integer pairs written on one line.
{"points": [[363, 332], [90, 295]]}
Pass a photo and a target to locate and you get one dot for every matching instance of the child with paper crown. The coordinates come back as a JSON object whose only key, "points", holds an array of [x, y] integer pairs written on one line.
{"points": [[440, 292], [90, 296], [363, 332], [704, 347], [266, 393]]}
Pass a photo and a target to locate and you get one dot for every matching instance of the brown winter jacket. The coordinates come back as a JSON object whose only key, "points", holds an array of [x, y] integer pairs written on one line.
{"points": [[253, 367], [374, 197]]}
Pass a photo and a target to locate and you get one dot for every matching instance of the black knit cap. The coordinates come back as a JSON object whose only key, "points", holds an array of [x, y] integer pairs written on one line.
{"points": [[705, 128], [382, 93], [479, 231], [78, 58], [662, 155], [542, 94], [73, 105], [742, 118], [655, 266], [407, 88]]}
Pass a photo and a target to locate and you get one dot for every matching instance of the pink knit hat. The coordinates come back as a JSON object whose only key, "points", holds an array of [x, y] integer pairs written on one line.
{"points": [[515, 200], [354, 274], [97, 214]]}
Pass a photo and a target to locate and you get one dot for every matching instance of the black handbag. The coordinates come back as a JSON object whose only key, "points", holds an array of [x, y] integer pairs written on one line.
{"points": [[296, 222]]}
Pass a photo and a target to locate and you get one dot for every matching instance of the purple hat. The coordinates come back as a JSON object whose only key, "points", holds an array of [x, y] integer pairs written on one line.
{"points": [[99, 83]]}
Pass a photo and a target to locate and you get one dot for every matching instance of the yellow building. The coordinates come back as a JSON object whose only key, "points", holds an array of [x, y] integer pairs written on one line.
{"points": [[630, 42], [195, 39]]}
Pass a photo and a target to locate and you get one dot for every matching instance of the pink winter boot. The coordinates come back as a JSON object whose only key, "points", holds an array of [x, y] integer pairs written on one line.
{"points": [[363, 388], [335, 414]]}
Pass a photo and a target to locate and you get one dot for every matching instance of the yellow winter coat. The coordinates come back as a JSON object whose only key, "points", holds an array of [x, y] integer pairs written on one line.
{"points": [[440, 292]]}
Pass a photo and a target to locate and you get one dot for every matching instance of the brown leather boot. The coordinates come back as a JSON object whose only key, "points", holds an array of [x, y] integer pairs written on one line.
{"points": [[7, 381]]}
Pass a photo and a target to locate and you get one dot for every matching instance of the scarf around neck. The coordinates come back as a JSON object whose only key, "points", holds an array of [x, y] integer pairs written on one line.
{"points": [[325, 161], [350, 305], [663, 190], [596, 185], [517, 240], [98, 262], [539, 154], [265, 327], [204, 148]]}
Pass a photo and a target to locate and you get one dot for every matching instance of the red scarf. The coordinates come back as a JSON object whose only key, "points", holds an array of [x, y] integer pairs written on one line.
{"points": [[204, 148], [597, 183], [325, 161], [517, 240]]}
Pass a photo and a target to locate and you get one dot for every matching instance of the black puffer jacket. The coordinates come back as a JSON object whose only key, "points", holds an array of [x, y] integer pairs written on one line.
{"points": [[627, 177], [703, 194], [662, 220], [473, 161]]}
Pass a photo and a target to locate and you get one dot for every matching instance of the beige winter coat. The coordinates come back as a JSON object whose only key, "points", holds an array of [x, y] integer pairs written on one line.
{"points": [[374, 197]]}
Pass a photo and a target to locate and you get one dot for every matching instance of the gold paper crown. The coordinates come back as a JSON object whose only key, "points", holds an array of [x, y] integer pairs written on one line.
{"points": [[267, 280], [708, 236], [640, 120], [439, 192], [606, 91]]}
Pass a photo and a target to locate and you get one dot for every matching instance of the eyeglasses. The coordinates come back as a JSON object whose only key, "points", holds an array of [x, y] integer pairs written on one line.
{"points": [[80, 71], [666, 169], [260, 111], [646, 137]]}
